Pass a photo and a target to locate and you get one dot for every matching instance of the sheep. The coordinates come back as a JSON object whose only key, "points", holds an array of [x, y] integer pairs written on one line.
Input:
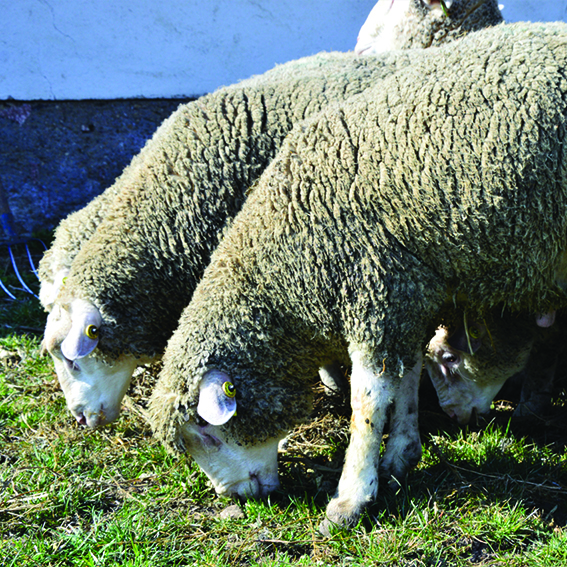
{"points": [[373, 215], [399, 24], [128, 284], [94, 389], [470, 361]]}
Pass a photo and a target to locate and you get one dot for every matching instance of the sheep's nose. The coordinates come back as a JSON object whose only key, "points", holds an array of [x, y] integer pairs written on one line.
{"points": [[81, 419]]}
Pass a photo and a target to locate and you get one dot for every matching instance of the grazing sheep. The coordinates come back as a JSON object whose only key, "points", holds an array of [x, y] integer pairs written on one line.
{"points": [[408, 24], [467, 372], [469, 361], [128, 284], [446, 180]]}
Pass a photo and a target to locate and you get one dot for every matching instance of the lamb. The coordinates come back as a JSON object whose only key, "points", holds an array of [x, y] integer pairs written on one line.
{"points": [[409, 24], [127, 285], [373, 215]]}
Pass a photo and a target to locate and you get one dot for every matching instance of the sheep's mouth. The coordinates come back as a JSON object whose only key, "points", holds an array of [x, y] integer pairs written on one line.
{"points": [[91, 419], [205, 438]]}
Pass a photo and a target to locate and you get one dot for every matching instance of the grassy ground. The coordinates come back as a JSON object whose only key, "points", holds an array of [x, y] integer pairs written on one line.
{"points": [[494, 494]]}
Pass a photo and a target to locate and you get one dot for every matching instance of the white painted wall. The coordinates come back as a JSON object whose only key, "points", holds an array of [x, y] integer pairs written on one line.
{"points": [[91, 49]]}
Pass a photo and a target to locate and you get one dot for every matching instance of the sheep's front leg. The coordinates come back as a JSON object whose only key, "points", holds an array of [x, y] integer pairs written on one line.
{"points": [[372, 391], [403, 449]]}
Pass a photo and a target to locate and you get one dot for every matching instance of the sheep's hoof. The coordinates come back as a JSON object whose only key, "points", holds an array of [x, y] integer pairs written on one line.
{"points": [[340, 515], [328, 528], [396, 464]]}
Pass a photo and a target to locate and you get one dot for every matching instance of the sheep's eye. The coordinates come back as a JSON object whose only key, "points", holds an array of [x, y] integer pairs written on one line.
{"points": [[91, 331], [229, 389], [450, 358]]}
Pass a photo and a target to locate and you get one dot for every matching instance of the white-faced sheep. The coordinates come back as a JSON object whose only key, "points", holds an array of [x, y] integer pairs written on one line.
{"points": [[447, 180], [410, 24], [128, 284], [469, 360]]}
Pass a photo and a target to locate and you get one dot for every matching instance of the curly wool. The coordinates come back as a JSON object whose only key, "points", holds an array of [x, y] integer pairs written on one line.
{"points": [[172, 203], [69, 236], [416, 29], [434, 184]]}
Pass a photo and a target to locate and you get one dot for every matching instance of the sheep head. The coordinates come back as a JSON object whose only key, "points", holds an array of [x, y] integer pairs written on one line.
{"points": [[468, 366], [93, 386], [403, 24], [244, 470], [248, 471]]}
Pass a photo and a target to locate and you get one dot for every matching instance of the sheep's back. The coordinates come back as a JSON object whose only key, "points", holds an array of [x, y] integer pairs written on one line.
{"points": [[453, 169], [142, 264]]}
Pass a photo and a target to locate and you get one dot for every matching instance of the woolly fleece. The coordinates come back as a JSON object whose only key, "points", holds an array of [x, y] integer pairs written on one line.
{"points": [[447, 180], [142, 263]]}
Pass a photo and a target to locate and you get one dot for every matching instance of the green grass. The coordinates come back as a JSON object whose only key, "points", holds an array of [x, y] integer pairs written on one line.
{"points": [[489, 495]]}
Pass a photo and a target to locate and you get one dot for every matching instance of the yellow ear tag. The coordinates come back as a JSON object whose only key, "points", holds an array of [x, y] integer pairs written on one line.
{"points": [[473, 332], [91, 331], [229, 389]]}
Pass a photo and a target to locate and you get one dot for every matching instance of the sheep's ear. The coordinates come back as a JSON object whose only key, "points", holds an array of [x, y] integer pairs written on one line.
{"points": [[83, 337], [217, 398], [545, 319]]}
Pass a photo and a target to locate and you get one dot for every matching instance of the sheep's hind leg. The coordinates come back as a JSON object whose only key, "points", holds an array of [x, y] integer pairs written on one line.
{"points": [[372, 391], [403, 448]]}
